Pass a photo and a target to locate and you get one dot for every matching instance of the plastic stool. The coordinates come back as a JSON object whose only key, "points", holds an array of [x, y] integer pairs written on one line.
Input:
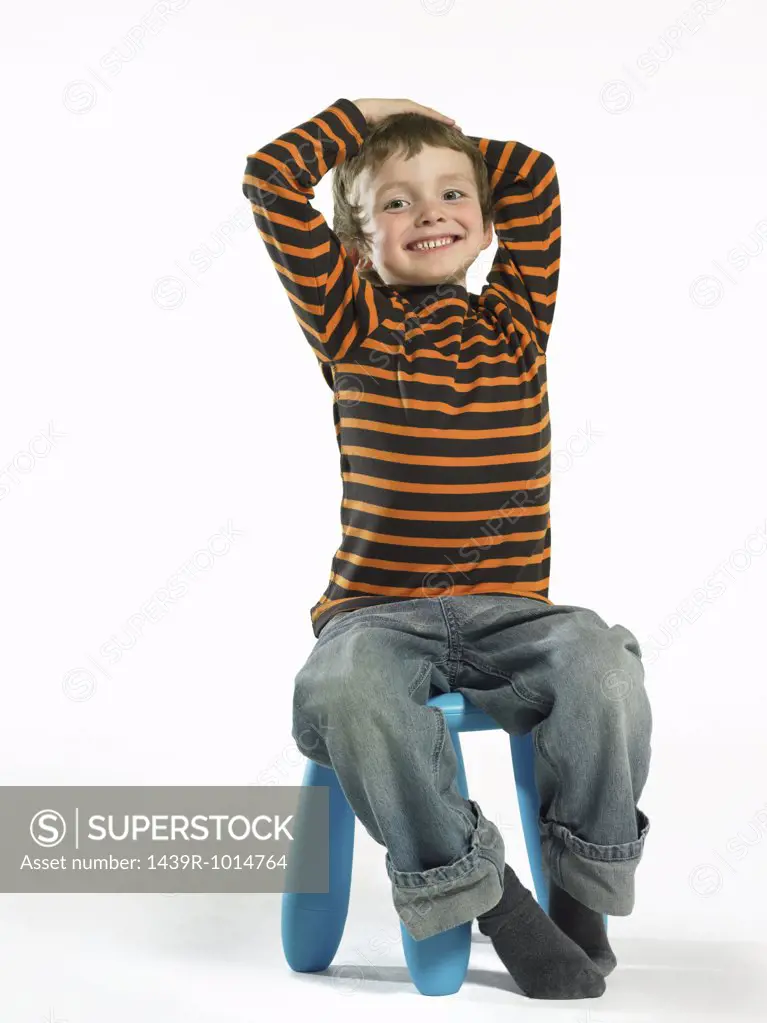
{"points": [[313, 924]]}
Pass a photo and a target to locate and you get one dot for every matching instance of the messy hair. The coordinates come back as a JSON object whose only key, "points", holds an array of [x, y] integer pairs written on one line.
{"points": [[408, 133]]}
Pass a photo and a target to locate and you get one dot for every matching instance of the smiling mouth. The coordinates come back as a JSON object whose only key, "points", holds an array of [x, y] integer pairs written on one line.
{"points": [[434, 248]]}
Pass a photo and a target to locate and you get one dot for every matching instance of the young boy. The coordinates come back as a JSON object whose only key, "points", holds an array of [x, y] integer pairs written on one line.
{"points": [[441, 580]]}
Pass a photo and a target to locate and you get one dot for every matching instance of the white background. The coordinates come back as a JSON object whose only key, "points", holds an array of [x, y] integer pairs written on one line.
{"points": [[177, 412]]}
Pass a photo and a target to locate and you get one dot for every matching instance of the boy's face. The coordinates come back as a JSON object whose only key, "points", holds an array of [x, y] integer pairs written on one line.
{"points": [[431, 195]]}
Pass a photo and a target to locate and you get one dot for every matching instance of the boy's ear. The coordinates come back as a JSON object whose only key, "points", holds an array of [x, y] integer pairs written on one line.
{"points": [[360, 262]]}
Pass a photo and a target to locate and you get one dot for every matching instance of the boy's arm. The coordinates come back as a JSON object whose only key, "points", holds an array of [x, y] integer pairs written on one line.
{"points": [[527, 219], [333, 305]]}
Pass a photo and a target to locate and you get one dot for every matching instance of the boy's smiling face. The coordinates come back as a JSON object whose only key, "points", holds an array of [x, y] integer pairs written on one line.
{"points": [[430, 196]]}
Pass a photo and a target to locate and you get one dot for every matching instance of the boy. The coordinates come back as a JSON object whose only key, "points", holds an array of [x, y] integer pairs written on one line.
{"points": [[441, 415]]}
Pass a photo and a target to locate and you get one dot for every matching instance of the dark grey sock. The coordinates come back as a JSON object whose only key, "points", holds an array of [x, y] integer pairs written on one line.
{"points": [[585, 926], [543, 961]]}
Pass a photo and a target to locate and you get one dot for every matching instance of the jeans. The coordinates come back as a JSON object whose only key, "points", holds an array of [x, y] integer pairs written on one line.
{"points": [[557, 670]]}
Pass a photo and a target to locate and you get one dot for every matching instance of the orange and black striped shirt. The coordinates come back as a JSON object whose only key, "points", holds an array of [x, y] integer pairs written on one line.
{"points": [[440, 399]]}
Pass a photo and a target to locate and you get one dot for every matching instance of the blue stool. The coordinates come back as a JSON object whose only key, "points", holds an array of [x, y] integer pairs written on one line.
{"points": [[313, 924]]}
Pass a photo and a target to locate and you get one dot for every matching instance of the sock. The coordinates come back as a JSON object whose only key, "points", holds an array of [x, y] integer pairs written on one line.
{"points": [[543, 961], [585, 926]]}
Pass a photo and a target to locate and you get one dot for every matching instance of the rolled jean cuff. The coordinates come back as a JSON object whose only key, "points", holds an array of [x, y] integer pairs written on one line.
{"points": [[599, 876], [431, 901]]}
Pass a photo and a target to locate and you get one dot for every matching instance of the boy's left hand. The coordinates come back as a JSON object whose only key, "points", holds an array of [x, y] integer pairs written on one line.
{"points": [[376, 109]]}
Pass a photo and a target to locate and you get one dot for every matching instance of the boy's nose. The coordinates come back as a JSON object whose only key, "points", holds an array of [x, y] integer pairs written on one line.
{"points": [[432, 217]]}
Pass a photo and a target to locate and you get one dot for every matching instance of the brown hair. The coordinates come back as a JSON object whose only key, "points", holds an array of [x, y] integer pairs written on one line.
{"points": [[406, 132]]}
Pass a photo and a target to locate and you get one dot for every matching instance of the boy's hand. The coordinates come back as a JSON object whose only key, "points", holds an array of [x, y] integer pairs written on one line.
{"points": [[374, 110]]}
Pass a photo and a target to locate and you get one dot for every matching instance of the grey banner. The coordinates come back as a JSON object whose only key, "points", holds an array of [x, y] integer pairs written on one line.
{"points": [[115, 838]]}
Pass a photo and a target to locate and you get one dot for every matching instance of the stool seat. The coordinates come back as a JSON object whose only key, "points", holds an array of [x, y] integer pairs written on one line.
{"points": [[313, 923]]}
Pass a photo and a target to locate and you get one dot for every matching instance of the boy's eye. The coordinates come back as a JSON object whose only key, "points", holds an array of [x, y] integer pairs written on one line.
{"points": [[449, 191]]}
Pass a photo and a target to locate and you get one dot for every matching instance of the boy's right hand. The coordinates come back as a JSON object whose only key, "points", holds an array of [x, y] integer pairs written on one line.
{"points": [[374, 110]]}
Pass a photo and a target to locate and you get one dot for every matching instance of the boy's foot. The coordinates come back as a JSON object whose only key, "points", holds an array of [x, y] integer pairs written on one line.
{"points": [[543, 961], [585, 926]]}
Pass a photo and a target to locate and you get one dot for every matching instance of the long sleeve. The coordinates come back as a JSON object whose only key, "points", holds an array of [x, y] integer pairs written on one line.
{"points": [[527, 221], [334, 307]]}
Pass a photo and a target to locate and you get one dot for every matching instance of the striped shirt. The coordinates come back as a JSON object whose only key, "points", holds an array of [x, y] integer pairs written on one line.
{"points": [[440, 400]]}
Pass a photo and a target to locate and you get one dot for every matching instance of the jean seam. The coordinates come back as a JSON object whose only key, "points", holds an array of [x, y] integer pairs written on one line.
{"points": [[540, 748], [467, 819], [421, 675], [467, 869], [442, 732], [605, 853], [522, 692], [306, 726], [459, 870], [558, 860], [528, 697], [454, 641], [464, 814], [489, 859]]}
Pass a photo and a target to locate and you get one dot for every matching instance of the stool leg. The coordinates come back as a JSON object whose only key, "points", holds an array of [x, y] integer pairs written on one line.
{"points": [[313, 923], [438, 965], [523, 759]]}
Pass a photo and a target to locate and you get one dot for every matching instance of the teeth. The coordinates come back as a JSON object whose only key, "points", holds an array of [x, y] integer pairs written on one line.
{"points": [[436, 244]]}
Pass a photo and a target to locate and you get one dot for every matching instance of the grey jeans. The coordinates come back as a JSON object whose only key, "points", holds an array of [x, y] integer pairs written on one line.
{"points": [[557, 670]]}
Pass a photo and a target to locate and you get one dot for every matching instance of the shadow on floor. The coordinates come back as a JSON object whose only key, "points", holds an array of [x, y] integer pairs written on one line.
{"points": [[655, 978]]}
